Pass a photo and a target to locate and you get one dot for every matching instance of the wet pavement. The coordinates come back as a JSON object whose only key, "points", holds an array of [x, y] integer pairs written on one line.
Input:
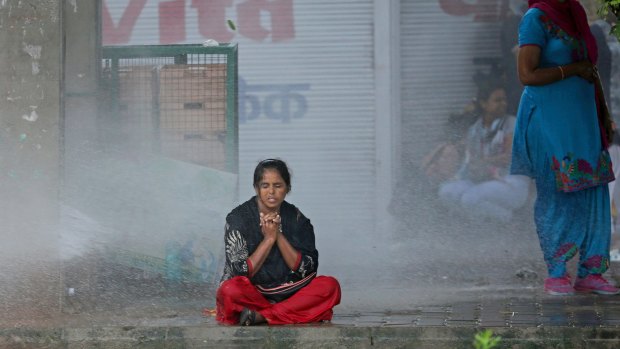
{"points": [[531, 309], [576, 311], [410, 290], [524, 317], [395, 316]]}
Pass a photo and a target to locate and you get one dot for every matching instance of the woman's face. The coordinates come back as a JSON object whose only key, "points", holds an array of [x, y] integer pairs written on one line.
{"points": [[271, 191], [496, 104]]}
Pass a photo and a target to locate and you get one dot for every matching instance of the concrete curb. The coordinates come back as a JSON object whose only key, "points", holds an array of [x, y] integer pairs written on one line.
{"points": [[321, 336]]}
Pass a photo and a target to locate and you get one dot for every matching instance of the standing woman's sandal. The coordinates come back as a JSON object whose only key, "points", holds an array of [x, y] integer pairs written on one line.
{"points": [[247, 317]]}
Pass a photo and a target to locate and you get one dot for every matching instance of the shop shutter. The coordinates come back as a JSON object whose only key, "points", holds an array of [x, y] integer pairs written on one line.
{"points": [[438, 48], [322, 66]]}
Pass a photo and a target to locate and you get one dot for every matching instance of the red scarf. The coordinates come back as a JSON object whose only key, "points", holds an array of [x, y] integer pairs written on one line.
{"points": [[571, 17]]}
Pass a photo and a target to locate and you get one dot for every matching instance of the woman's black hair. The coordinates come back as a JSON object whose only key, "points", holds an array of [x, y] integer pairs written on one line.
{"points": [[272, 164]]}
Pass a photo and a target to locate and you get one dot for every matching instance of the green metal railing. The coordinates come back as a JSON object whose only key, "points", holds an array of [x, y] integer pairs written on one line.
{"points": [[178, 100]]}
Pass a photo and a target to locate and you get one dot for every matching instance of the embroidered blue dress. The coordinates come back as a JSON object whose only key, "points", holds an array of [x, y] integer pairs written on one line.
{"points": [[557, 142]]}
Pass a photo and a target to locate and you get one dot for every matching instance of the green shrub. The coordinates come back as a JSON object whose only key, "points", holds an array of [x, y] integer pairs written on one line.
{"points": [[485, 340]]}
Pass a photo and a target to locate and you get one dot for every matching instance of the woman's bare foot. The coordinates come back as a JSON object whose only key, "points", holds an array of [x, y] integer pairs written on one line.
{"points": [[250, 318]]}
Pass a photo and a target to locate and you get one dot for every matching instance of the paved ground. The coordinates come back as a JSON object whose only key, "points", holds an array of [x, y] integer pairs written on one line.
{"points": [[428, 284], [531, 320]]}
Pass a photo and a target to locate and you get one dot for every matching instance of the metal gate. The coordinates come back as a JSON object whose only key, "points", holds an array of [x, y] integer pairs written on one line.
{"points": [[179, 101]]}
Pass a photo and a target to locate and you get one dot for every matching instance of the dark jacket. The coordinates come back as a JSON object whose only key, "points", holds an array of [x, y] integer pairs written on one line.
{"points": [[243, 235]]}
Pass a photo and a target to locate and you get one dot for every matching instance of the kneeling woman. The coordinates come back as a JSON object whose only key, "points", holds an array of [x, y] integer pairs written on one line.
{"points": [[271, 259]]}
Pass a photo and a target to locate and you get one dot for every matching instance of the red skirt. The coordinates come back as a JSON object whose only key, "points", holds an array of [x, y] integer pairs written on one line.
{"points": [[313, 303]]}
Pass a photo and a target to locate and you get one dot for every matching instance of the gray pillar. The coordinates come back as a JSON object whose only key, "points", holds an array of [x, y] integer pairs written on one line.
{"points": [[30, 148], [81, 76], [82, 66]]}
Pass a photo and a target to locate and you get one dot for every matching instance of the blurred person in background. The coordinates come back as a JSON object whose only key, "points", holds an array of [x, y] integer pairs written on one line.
{"points": [[443, 162], [561, 142], [271, 259], [422, 179], [483, 188]]}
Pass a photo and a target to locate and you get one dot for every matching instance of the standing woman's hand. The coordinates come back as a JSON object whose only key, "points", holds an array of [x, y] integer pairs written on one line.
{"points": [[586, 70], [531, 74]]}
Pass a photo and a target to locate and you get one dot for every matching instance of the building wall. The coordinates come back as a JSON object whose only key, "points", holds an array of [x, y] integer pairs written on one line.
{"points": [[328, 51], [307, 84]]}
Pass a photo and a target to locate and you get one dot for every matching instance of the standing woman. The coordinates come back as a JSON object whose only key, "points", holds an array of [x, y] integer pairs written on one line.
{"points": [[271, 259], [560, 142]]}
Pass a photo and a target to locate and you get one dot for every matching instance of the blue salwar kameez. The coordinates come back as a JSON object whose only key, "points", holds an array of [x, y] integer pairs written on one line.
{"points": [[557, 142]]}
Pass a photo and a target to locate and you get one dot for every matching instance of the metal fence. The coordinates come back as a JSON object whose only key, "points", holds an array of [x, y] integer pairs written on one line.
{"points": [[176, 100]]}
